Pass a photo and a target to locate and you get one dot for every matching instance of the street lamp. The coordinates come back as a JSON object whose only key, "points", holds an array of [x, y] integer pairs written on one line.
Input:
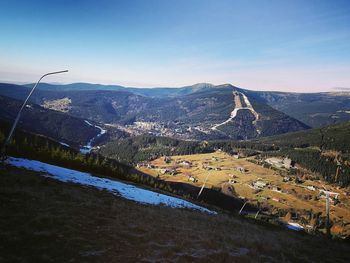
{"points": [[3, 148]]}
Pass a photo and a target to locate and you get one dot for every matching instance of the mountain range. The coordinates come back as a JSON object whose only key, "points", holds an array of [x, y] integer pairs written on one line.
{"points": [[198, 112]]}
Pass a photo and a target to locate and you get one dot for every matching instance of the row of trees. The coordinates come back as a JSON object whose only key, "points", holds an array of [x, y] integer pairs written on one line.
{"points": [[147, 147], [40, 148], [324, 165]]}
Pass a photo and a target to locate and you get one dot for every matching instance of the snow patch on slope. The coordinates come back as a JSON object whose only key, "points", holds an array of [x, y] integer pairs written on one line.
{"points": [[64, 144], [124, 190], [88, 147]]}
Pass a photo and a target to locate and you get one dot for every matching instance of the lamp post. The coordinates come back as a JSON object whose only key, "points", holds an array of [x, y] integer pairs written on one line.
{"points": [[203, 186], [8, 139]]}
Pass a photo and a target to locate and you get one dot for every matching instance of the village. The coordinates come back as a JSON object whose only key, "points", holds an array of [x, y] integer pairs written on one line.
{"points": [[269, 183]]}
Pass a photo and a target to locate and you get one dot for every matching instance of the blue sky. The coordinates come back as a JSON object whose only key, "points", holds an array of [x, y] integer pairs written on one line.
{"points": [[262, 45]]}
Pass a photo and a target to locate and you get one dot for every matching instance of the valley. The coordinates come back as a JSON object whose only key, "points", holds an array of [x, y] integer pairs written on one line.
{"points": [[272, 189], [199, 112], [220, 141], [175, 131]]}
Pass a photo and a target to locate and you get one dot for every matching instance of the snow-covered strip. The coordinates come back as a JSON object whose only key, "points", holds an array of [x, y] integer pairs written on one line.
{"points": [[236, 109], [294, 226], [64, 144], [88, 123], [246, 101], [88, 147], [250, 107], [124, 190]]}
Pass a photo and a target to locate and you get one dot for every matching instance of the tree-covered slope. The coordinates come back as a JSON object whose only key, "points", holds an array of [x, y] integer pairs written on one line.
{"points": [[314, 109], [325, 151], [334, 137], [57, 125], [190, 114]]}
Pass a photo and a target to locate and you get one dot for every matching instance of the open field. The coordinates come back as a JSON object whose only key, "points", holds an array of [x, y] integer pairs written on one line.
{"points": [[277, 194], [43, 220]]}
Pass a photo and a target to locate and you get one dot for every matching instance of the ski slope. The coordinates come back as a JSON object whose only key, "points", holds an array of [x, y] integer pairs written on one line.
{"points": [[237, 108]]}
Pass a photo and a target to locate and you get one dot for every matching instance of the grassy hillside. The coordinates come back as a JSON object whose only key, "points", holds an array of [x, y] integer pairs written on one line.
{"points": [[41, 148], [320, 150], [47, 221]]}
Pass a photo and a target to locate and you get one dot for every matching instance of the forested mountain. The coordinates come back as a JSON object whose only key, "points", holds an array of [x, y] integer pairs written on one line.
{"points": [[57, 125], [314, 109], [323, 150], [333, 137], [199, 112], [150, 92]]}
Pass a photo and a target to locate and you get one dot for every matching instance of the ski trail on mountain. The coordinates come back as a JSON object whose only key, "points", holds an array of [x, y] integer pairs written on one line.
{"points": [[238, 106]]}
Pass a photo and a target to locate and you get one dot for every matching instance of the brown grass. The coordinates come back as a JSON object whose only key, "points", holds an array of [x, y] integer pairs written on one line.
{"points": [[43, 220], [242, 188]]}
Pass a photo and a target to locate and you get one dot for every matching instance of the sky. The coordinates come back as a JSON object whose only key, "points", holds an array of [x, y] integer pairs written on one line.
{"points": [[295, 45]]}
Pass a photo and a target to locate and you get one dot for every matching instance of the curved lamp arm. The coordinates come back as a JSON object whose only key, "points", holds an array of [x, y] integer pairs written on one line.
{"points": [[21, 109]]}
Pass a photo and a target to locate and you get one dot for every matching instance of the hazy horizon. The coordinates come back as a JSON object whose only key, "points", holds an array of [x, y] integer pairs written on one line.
{"points": [[334, 89], [294, 46]]}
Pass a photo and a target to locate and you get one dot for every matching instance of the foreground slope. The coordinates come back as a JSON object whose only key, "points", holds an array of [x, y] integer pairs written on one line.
{"points": [[47, 221], [122, 189]]}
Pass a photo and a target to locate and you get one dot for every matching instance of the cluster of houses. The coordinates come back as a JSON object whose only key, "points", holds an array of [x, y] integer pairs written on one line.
{"points": [[280, 163], [145, 164], [192, 179], [238, 155], [206, 166], [166, 170], [242, 169], [185, 164], [171, 171], [259, 184]]}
